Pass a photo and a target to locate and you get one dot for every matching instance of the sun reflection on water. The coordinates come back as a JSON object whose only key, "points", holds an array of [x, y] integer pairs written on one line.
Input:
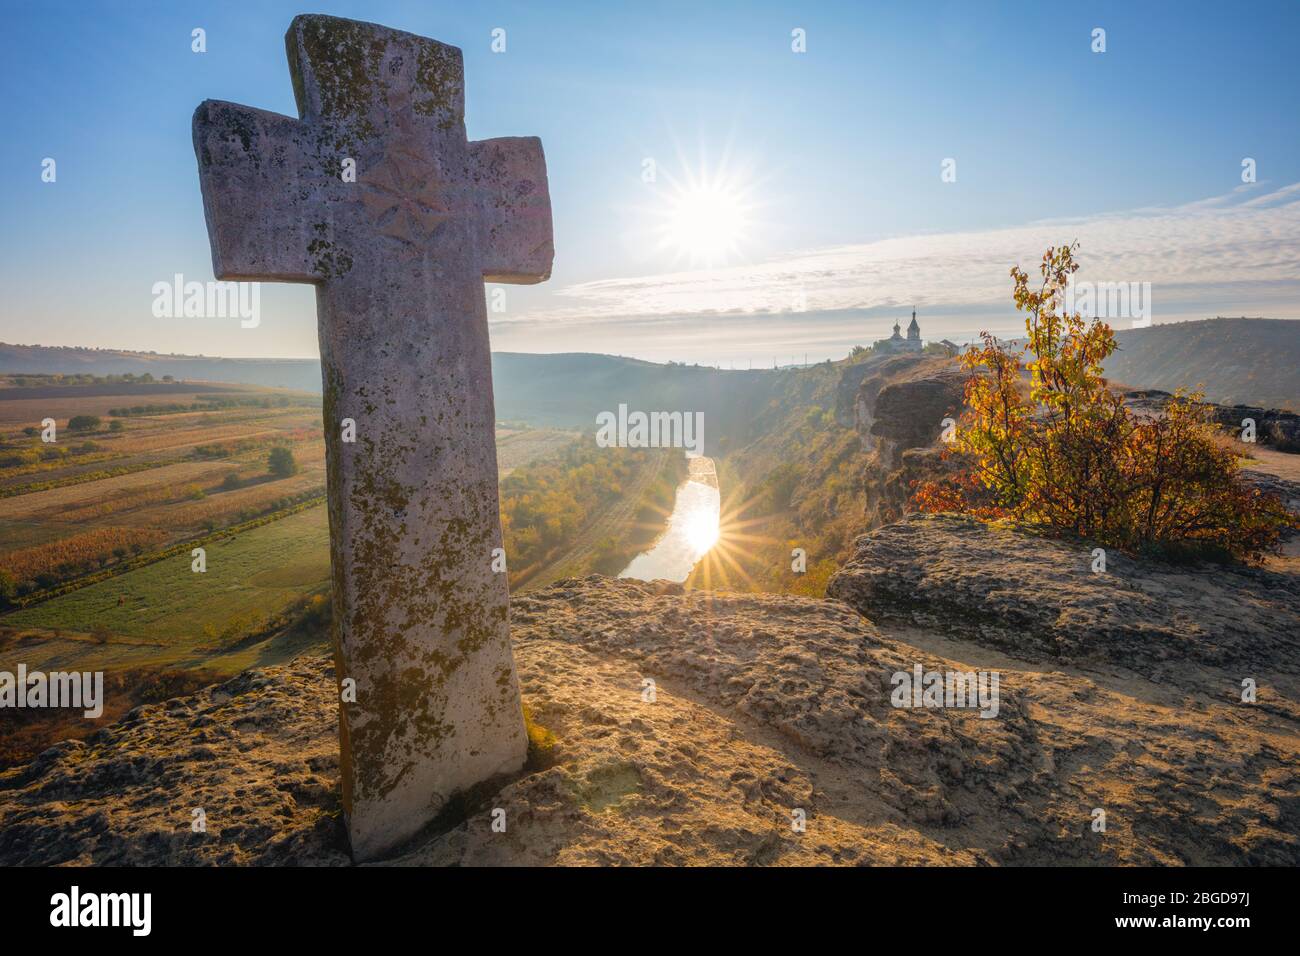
{"points": [[692, 529], [700, 527]]}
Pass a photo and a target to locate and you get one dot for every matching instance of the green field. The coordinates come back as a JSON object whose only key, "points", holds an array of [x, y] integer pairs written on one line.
{"points": [[165, 614]]}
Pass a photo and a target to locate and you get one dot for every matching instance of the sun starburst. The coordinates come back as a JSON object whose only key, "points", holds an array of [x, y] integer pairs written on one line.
{"points": [[704, 214], [737, 542]]}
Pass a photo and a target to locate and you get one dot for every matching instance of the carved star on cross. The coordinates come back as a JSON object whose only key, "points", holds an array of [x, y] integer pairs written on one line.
{"points": [[403, 196]]}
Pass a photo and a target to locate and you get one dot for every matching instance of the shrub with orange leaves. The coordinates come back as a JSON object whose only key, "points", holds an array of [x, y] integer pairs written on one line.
{"points": [[1066, 452]]}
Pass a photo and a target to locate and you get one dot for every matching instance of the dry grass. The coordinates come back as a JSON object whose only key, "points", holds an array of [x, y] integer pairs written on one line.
{"points": [[53, 504], [19, 411], [225, 507]]}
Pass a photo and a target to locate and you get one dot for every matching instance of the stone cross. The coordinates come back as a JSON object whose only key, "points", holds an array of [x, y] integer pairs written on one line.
{"points": [[398, 253]]}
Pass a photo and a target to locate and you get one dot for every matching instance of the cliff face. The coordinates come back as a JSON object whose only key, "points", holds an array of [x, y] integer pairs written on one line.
{"points": [[899, 402], [898, 410], [1120, 694]]}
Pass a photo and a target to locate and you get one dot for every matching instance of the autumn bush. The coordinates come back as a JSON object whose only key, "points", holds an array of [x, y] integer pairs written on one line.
{"points": [[1064, 451]]}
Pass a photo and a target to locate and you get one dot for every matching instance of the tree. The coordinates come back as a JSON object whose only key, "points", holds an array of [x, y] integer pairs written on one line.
{"points": [[1063, 450], [281, 463], [83, 423]]}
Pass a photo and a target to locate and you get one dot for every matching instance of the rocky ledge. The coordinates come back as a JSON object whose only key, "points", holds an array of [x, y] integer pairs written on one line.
{"points": [[699, 727], [1037, 596], [1276, 427]]}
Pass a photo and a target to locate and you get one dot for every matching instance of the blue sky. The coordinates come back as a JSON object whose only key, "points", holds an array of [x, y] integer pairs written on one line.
{"points": [[837, 153]]}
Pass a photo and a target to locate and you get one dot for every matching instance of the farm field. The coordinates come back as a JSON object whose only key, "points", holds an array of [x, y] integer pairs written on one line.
{"points": [[96, 527], [23, 405], [166, 615], [516, 448]]}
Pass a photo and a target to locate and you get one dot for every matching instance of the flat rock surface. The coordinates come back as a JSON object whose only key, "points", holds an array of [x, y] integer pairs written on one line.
{"points": [[763, 705], [1037, 595]]}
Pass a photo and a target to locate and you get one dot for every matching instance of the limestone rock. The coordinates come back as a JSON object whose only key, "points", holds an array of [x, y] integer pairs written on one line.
{"points": [[911, 413], [1034, 595], [763, 705]]}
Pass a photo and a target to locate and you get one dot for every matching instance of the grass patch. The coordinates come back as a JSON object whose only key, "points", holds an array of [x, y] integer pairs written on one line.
{"points": [[541, 743], [166, 614], [606, 787]]}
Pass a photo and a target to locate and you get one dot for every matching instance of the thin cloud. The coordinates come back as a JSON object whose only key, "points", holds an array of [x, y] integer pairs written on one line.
{"points": [[1210, 249]]}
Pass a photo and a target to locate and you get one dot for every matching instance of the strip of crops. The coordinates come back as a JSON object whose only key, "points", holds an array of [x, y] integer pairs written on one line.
{"points": [[177, 549]]}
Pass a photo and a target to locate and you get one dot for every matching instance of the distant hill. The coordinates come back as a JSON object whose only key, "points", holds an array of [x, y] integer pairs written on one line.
{"points": [[1246, 361], [301, 374], [572, 388], [567, 389], [1235, 361]]}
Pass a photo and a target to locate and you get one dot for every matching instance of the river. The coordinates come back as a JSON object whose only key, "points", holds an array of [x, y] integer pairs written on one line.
{"points": [[692, 529]]}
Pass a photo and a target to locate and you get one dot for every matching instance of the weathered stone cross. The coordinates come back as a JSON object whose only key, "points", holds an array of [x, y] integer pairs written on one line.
{"points": [[398, 257]]}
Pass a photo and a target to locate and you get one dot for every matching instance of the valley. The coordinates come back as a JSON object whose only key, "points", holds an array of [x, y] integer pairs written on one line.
{"points": [[98, 526]]}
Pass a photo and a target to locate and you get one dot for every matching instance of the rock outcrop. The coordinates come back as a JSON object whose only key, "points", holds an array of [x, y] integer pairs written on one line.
{"points": [[900, 402], [1274, 427], [1008, 587], [910, 413], [695, 727], [897, 406]]}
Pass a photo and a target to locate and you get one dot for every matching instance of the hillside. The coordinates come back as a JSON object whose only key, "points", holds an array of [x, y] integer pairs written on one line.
{"points": [[301, 374], [1236, 361], [570, 389], [766, 705], [564, 389], [839, 446]]}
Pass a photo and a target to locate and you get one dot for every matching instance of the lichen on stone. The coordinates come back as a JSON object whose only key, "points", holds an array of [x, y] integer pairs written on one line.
{"points": [[440, 76], [328, 261], [344, 57]]}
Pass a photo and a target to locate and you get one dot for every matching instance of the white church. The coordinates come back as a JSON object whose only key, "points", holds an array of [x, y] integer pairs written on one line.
{"points": [[896, 344]]}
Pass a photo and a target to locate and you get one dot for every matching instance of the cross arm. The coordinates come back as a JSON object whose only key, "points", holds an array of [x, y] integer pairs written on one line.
{"points": [[264, 192], [516, 237]]}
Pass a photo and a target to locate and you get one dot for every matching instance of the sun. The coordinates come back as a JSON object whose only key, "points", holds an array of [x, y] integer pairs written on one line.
{"points": [[707, 222], [705, 213]]}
